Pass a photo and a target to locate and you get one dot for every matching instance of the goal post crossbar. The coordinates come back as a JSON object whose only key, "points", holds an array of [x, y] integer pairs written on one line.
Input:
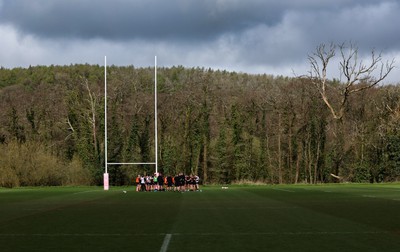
{"points": [[152, 163]]}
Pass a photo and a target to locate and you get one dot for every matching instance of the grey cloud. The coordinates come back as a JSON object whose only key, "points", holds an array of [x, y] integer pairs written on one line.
{"points": [[150, 19], [369, 26], [122, 19], [300, 31], [251, 36]]}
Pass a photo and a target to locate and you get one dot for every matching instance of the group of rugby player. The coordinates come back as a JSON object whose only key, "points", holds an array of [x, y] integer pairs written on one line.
{"points": [[157, 182]]}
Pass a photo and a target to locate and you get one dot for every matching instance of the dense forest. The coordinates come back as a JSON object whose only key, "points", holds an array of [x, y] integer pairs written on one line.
{"points": [[227, 127]]}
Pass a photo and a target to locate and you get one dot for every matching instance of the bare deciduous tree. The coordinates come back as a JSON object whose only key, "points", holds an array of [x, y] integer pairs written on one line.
{"points": [[92, 114], [356, 74]]}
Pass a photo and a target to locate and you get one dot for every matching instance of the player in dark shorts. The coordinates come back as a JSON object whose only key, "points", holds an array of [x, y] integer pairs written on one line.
{"points": [[177, 183], [149, 183], [187, 183], [160, 180], [192, 183], [169, 183], [181, 182]]}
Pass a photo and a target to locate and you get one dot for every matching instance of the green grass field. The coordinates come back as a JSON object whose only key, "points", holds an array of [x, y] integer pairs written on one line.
{"points": [[242, 218]]}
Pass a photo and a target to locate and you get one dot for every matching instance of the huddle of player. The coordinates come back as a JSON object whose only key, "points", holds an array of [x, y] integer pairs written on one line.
{"points": [[158, 182]]}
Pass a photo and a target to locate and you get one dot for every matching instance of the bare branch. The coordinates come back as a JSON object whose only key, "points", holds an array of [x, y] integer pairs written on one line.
{"points": [[354, 71], [92, 113], [71, 128], [319, 76]]}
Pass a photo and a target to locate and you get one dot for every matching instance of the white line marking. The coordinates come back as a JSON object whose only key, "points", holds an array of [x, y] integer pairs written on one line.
{"points": [[165, 244]]}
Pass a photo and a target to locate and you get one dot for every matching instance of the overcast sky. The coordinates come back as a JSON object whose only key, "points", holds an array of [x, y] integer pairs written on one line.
{"points": [[253, 36]]}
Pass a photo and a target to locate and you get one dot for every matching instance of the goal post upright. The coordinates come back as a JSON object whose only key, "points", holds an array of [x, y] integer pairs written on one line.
{"points": [[155, 115], [105, 177]]}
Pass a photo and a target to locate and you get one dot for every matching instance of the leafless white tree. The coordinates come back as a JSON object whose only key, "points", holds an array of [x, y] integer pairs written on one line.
{"points": [[355, 73]]}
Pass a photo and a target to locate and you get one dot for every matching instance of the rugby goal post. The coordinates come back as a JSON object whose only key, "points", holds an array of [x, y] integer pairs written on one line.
{"points": [[106, 181]]}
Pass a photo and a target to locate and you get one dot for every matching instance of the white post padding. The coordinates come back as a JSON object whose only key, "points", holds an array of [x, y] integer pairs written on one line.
{"points": [[106, 182]]}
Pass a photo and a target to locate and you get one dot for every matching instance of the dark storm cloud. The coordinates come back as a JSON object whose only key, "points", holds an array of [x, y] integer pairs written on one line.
{"points": [[255, 36], [151, 19], [123, 19]]}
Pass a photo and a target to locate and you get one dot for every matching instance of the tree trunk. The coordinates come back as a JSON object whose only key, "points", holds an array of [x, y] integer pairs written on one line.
{"points": [[296, 180], [316, 161], [205, 156], [290, 154], [280, 151]]}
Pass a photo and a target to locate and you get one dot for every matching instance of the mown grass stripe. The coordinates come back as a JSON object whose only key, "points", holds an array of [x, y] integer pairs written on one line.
{"points": [[168, 237], [283, 190]]}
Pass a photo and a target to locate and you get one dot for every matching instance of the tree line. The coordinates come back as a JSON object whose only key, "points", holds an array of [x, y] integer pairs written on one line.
{"points": [[227, 127]]}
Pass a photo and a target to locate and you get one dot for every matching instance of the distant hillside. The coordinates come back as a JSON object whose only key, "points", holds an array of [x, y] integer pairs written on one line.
{"points": [[225, 126]]}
